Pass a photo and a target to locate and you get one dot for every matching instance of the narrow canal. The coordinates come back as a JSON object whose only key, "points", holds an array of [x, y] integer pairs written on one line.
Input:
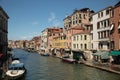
{"points": [[51, 68]]}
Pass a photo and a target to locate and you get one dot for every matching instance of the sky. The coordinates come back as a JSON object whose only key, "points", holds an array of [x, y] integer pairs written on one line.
{"points": [[27, 18]]}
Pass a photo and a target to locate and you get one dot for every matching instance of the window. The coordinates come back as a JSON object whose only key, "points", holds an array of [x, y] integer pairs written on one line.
{"points": [[108, 23], [77, 38], [79, 15], [73, 22], [98, 35], [79, 21], [76, 21], [112, 14], [87, 27], [81, 46], [112, 28], [101, 23], [118, 27], [74, 45], [81, 37], [74, 38], [64, 37], [101, 14], [101, 35], [84, 16], [105, 23], [98, 15], [107, 11], [98, 25], [85, 46], [105, 34], [85, 37], [77, 46]]}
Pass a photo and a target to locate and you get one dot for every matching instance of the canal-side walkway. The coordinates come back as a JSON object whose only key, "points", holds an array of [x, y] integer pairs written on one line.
{"points": [[104, 66]]}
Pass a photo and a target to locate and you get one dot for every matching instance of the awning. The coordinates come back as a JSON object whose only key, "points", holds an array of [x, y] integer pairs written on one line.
{"points": [[102, 54], [105, 55], [111, 27], [114, 53], [97, 53], [119, 26]]}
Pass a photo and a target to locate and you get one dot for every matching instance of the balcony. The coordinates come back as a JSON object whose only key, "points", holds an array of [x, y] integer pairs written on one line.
{"points": [[104, 39]]}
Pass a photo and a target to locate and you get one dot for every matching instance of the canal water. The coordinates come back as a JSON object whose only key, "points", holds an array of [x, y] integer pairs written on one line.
{"points": [[51, 68]]}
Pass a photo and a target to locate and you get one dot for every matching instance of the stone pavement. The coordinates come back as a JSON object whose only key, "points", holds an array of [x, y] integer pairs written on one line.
{"points": [[104, 66]]}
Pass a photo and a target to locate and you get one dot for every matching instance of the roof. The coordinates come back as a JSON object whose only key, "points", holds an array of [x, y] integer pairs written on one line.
{"points": [[83, 32], [103, 9], [118, 4], [77, 27], [4, 12]]}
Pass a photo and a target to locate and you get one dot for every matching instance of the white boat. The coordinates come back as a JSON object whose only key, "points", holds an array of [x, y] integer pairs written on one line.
{"points": [[16, 71], [15, 62]]}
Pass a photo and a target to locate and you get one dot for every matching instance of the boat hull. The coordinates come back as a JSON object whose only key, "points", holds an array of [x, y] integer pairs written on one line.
{"points": [[15, 77], [18, 76], [68, 60]]}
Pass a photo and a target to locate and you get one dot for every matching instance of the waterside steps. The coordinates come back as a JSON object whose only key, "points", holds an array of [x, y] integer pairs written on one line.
{"points": [[109, 69]]}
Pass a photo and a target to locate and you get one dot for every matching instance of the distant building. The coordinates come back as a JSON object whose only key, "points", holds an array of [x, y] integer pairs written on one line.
{"points": [[37, 42], [52, 32], [80, 19], [115, 27]]}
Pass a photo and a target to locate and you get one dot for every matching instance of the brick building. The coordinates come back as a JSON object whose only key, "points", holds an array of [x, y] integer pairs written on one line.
{"points": [[115, 27]]}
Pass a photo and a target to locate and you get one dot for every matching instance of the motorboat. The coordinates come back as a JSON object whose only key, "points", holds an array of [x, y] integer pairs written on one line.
{"points": [[45, 54], [69, 60], [16, 71], [15, 61]]}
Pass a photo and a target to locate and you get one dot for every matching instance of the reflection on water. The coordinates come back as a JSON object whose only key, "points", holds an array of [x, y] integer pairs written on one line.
{"points": [[51, 68]]}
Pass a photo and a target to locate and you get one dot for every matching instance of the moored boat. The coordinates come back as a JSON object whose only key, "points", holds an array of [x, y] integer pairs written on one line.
{"points": [[69, 60], [16, 71], [45, 54]]}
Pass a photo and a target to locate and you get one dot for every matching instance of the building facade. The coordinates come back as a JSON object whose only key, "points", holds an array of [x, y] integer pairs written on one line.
{"points": [[101, 26], [3, 41], [115, 27], [80, 19], [81, 41], [44, 40]]}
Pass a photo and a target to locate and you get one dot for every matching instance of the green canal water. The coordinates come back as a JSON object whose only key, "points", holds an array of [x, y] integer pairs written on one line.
{"points": [[51, 68]]}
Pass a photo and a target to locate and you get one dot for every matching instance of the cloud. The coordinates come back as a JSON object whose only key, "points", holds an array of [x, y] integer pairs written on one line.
{"points": [[34, 33], [23, 38], [52, 17], [56, 23], [30, 36], [35, 23]]}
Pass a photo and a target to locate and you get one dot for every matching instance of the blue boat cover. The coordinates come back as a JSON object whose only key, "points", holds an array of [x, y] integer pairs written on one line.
{"points": [[18, 65]]}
